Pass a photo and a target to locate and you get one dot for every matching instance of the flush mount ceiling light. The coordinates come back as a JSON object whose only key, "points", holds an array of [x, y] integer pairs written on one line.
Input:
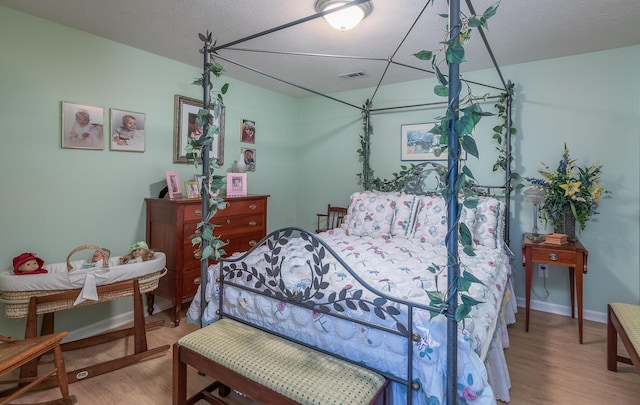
{"points": [[346, 18]]}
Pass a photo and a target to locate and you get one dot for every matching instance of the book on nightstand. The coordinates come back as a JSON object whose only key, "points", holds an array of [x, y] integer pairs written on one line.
{"points": [[556, 239]]}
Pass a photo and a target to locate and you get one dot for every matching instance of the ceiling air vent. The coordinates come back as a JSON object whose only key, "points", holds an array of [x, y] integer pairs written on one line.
{"points": [[351, 75]]}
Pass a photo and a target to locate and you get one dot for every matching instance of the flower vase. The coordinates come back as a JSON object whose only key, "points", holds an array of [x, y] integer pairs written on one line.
{"points": [[567, 223]]}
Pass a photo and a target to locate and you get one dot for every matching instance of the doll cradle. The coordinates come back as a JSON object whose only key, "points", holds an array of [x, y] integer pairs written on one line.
{"points": [[68, 285]]}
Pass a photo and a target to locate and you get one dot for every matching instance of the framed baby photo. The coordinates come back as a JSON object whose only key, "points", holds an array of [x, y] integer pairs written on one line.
{"points": [[192, 189], [127, 131], [82, 126], [236, 184], [187, 129], [248, 131], [249, 155], [173, 184]]}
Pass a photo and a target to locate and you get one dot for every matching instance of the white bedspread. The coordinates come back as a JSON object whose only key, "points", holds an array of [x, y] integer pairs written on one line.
{"points": [[397, 267]]}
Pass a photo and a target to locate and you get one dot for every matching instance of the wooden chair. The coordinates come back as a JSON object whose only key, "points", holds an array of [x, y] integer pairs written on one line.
{"points": [[15, 353], [332, 219]]}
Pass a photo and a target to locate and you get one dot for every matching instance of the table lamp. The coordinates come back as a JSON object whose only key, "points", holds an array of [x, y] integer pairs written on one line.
{"points": [[535, 195]]}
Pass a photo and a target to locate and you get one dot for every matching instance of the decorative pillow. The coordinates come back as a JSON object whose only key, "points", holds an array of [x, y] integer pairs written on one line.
{"points": [[404, 213], [489, 223], [430, 225], [369, 215], [431, 220]]}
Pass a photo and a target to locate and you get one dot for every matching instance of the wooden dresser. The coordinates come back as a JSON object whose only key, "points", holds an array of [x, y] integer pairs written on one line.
{"points": [[170, 224]]}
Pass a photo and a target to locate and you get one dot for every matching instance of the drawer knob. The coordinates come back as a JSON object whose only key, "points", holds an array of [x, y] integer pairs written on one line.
{"points": [[198, 213], [197, 281], [253, 206], [228, 221], [553, 256], [252, 243], [253, 223]]}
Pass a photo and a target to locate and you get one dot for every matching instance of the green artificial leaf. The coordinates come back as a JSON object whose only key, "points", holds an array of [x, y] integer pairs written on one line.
{"points": [[461, 312], [474, 22], [423, 55], [455, 54], [441, 78], [467, 300], [440, 90], [491, 11], [466, 238], [469, 145]]}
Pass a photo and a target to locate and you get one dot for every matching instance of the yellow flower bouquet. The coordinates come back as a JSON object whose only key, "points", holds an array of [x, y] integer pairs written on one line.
{"points": [[570, 187]]}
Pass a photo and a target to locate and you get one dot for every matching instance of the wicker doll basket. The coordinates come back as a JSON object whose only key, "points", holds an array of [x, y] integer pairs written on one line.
{"points": [[16, 302]]}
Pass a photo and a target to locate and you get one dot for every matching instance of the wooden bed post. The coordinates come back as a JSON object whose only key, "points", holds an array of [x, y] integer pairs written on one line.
{"points": [[453, 160]]}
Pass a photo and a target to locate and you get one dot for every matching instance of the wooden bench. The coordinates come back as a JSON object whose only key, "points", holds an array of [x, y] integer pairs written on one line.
{"points": [[623, 320], [269, 369]]}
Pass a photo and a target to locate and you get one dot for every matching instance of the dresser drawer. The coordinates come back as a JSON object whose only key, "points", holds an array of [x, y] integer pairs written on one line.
{"points": [[228, 226], [234, 207], [554, 256], [190, 281]]}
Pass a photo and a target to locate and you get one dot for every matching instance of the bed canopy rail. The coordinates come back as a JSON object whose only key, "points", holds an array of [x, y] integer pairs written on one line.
{"points": [[453, 146]]}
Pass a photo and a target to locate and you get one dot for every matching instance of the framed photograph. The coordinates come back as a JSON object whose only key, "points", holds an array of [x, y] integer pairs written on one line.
{"points": [[248, 131], [82, 126], [127, 131], [236, 184], [192, 189], [173, 184], [249, 158], [186, 128], [417, 143]]}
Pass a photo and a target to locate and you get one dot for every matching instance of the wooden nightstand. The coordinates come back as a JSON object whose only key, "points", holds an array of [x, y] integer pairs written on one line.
{"points": [[572, 255]]}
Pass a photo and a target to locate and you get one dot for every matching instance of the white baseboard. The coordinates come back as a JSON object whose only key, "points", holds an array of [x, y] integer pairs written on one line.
{"points": [[160, 304], [562, 310]]}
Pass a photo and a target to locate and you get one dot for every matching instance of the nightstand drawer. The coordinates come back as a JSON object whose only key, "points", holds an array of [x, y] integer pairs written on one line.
{"points": [[554, 256]]}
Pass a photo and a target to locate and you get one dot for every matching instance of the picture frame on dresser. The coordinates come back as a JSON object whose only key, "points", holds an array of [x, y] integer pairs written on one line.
{"points": [[186, 129], [236, 184], [173, 184]]}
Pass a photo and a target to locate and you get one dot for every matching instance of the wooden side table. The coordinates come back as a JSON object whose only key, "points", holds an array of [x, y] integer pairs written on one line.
{"points": [[572, 255]]}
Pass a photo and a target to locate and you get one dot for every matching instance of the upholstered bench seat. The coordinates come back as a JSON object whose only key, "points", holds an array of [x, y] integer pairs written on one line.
{"points": [[270, 369], [624, 321]]}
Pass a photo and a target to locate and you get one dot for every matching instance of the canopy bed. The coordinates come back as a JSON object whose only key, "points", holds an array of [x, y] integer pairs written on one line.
{"points": [[414, 283]]}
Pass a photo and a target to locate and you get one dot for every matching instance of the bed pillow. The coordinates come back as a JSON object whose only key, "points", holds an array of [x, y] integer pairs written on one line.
{"points": [[404, 213], [430, 225], [488, 229], [370, 215]]}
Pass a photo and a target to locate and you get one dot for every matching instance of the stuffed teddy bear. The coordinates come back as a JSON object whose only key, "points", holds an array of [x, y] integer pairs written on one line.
{"points": [[28, 263], [139, 251]]}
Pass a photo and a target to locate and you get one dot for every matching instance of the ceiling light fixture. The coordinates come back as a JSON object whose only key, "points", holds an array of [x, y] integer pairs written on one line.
{"points": [[346, 18]]}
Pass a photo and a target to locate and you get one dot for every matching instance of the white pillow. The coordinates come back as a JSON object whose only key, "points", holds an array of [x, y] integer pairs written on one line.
{"points": [[488, 228], [369, 215], [431, 220]]}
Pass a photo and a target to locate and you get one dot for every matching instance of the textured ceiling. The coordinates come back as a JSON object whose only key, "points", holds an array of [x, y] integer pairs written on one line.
{"points": [[522, 31]]}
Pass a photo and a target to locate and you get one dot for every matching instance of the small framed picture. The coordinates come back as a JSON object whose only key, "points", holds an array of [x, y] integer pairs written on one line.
{"points": [[236, 184], [249, 158], [127, 131], [173, 184], [248, 131], [82, 126], [192, 189], [418, 143]]}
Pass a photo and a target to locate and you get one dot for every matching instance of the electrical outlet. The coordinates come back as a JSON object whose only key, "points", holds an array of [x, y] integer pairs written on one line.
{"points": [[543, 271]]}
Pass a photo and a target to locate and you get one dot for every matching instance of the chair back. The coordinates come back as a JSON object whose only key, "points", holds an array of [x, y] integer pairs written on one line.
{"points": [[332, 219]]}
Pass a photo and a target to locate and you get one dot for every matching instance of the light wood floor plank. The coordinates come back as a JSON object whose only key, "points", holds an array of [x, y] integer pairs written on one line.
{"points": [[547, 366]]}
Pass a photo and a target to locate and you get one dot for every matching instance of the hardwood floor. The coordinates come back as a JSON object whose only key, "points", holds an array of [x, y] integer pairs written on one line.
{"points": [[547, 366]]}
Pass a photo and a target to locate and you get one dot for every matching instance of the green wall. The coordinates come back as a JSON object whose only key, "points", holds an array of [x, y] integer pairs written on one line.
{"points": [[56, 199]]}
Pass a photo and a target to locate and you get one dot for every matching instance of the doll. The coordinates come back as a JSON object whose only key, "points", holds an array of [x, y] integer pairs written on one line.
{"points": [[28, 263], [138, 250], [98, 258]]}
